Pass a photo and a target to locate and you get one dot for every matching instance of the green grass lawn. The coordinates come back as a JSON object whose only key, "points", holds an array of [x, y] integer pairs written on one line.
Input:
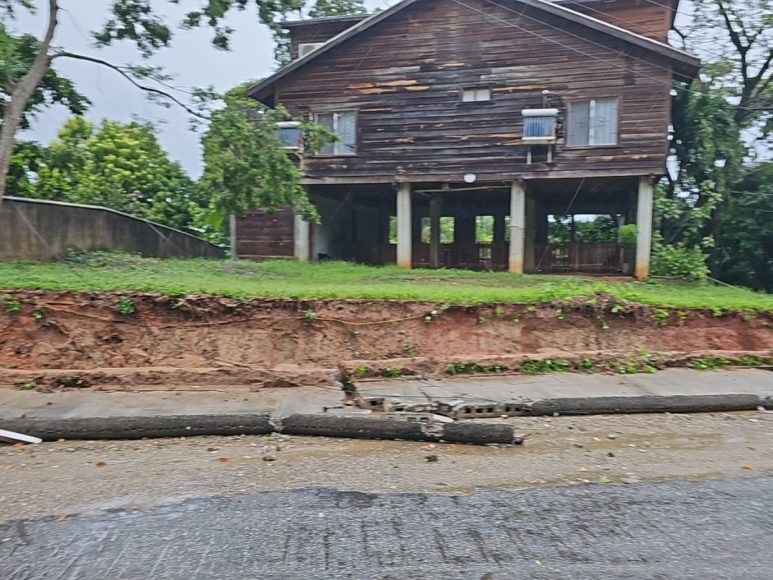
{"points": [[245, 279]]}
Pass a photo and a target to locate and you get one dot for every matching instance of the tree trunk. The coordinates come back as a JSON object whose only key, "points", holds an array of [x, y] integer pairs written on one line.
{"points": [[20, 94]]}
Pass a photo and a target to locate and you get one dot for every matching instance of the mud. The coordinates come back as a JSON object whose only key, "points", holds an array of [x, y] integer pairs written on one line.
{"points": [[283, 342]]}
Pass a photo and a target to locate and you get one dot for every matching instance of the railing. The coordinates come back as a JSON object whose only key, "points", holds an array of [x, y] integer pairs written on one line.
{"points": [[599, 258]]}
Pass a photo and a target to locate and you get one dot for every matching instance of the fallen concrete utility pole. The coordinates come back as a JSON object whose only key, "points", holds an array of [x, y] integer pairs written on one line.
{"points": [[11, 437], [312, 424]]}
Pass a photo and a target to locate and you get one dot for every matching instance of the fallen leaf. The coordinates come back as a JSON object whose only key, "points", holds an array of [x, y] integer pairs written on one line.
{"points": [[61, 518], [604, 479], [469, 471], [747, 467], [583, 470], [182, 438], [60, 440], [222, 459], [101, 463], [752, 448], [248, 457]]}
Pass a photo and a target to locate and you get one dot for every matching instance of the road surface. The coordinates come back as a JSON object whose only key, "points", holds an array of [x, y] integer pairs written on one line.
{"points": [[698, 529]]}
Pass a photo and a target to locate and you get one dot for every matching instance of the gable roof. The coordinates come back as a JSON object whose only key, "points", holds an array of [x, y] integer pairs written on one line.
{"points": [[684, 65]]}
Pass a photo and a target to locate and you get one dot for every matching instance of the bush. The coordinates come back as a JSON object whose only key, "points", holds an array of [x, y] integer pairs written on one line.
{"points": [[680, 261]]}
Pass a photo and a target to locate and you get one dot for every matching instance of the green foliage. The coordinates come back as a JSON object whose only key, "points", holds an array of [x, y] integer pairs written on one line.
{"points": [[39, 315], [661, 316], [362, 371], [409, 349], [601, 229], [680, 261], [10, 305], [629, 234], [481, 320], [27, 385], [124, 306], [392, 373], [310, 314], [585, 364], [536, 367]]}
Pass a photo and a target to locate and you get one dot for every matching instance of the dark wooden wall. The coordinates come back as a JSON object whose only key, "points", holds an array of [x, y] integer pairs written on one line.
{"points": [[260, 235], [404, 75], [650, 18], [316, 32]]}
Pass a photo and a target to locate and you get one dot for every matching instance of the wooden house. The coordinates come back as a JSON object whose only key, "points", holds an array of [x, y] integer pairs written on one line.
{"points": [[454, 113]]}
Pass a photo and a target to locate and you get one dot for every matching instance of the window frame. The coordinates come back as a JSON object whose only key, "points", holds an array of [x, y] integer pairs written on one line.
{"points": [[476, 102], [356, 132], [588, 100]]}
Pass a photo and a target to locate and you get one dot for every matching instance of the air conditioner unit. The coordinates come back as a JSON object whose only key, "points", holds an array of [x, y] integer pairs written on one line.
{"points": [[539, 126], [305, 48], [289, 133]]}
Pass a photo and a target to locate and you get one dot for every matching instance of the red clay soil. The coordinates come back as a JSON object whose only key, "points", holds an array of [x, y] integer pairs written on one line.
{"points": [[212, 340]]}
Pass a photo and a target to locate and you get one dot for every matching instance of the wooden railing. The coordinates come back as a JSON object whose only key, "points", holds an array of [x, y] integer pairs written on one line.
{"points": [[599, 258]]}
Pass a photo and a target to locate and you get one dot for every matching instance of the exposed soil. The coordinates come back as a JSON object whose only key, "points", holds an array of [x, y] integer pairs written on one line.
{"points": [[281, 342]]}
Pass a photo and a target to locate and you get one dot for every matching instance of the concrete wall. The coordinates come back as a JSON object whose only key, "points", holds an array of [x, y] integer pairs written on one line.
{"points": [[32, 229]]}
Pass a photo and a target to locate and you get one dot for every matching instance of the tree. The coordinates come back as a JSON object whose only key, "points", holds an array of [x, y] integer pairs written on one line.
{"points": [[28, 65], [115, 165]]}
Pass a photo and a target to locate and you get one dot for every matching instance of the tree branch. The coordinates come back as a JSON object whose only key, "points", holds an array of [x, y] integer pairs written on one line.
{"points": [[132, 80]]}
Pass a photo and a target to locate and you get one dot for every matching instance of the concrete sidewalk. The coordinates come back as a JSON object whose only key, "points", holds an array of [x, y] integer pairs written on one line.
{"points": [[674, 390]]}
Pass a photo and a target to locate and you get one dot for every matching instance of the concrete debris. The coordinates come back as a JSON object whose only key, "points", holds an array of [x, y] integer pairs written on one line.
{"points": [[417, 417], [12, 437]]}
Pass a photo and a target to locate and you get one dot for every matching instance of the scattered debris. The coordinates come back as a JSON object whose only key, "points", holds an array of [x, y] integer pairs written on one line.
{"points": [[431, 458], [612, 436], [269, 458]]}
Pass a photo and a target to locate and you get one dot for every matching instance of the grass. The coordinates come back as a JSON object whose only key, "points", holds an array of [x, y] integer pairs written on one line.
{"points": [[104, 271]]}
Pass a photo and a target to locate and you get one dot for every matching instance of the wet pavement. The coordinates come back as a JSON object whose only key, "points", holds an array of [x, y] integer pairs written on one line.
{"points": [[685, 530]]}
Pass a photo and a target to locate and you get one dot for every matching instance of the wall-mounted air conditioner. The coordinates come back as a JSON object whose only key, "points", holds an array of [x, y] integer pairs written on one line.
{"points": [[539, 126], [289, 133], [305, 48]]}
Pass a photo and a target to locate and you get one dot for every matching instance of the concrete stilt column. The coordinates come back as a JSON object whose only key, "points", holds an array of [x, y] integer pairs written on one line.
{"points": [[517, 227], [404, 225], [232, 228], [301, 232], [434, 233], [530, 234], [644, 228]]}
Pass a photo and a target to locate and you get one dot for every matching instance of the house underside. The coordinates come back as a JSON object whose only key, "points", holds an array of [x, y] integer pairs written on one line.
{"points": [[479, 226]]}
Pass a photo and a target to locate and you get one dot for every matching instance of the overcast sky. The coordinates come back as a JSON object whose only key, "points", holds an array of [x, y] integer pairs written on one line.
{"points": [[191, 59]]}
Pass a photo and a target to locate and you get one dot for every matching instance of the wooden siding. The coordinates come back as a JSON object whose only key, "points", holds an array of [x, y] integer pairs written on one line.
{"points": [[260, 235], [650, 18], [404, 77]]}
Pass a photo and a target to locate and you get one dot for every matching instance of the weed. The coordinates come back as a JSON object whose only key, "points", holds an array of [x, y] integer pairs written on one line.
{"points": [[409, 349], [431, 316], [481, 320], [766, 324], [660, 316], [615, 309], [392, 372], [450, 369], [559, 314], [272, 437], [682, 317], [499, 311], [516, 318], [180, 302], [717, 312], [39, 315], [602, 321], [124, 306], [70, 382], [10, 305], [531, 309], [361, 371], [749, 316], [310, 314], [27, 385], [535, 367], [585, 364]]}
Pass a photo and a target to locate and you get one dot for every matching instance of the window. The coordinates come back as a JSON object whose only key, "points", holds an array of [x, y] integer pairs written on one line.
{"points": [[484, 229], [446, 230], [476, 94], [305, 48], [345, 126], [593, 122]]}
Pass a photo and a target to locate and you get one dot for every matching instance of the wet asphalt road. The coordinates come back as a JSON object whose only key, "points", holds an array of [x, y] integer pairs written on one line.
{"points": [[684, 530]]}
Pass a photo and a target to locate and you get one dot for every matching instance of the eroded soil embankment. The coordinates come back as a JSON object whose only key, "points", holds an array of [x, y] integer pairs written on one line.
{"points": [[155, 339]]}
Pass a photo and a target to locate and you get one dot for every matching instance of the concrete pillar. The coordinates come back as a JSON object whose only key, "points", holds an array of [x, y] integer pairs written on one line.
{"points": [[517, 227], [434, 233], [644, 228], [301, 232], [404, 225], [530, 234], [232, 228]]}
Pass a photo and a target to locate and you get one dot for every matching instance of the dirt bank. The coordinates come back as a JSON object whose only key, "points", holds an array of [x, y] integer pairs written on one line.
{"points": [[122, 338]]}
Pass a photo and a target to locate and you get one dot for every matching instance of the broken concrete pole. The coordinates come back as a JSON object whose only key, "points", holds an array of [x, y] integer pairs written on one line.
{"points": [[11, 437]]}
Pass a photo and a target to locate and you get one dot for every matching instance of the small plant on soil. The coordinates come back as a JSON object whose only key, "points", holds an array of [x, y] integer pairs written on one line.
{"points": [[481, 320], [27, 385], [682, 316], [409, 349], [70, 382], [516, 318], [535, 367], [310, 314], [717, 312], [499, 312], [602, 321], [124, 306], [39, 315], [431, 315], [361, 371], [180, 302], [749, 316], [660, 316], [559, 314], [391, 372], [531, 309], [585, 364], [10, 305]]}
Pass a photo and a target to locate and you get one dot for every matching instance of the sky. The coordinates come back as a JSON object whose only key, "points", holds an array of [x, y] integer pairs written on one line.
{"points": [[192, 61]]}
